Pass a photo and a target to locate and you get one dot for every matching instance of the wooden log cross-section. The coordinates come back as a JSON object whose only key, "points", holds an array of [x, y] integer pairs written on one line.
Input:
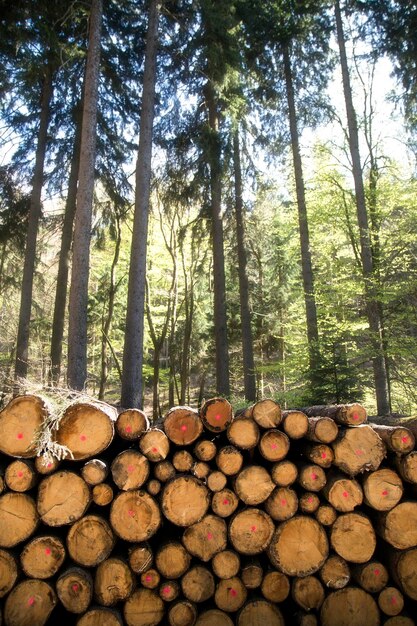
{"points": [[207, 517]]}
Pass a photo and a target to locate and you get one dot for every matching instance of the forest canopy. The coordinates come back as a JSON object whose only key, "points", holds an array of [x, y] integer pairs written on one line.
{"points": [[203, 197]]}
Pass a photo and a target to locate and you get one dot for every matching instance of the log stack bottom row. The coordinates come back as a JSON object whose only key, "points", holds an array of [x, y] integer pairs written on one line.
{"points": [[259, 517]]}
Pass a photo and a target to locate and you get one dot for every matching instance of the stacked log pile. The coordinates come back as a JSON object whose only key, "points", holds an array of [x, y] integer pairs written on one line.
{"points": [[263, 517]]}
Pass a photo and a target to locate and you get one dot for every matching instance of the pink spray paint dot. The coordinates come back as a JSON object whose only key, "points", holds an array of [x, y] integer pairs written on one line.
{"points": [[130, 468], [233, 593], [31, 601], [385, 492], [49, 465], [48, 551], [309, 499], [128, 429], [314, 476], [359, 452], [345, 494], [183, 428], [155, 450], [20, 474], [283, 503], [75, 588], [404, 439], [148, 579], [131, 513], [83, 437], [393, 600], [355, 417], [274, 446], [166, 591], [20, 435], [226, 501], [253, 529], [217, 417], [209, 536], [323, 455], [377, 572]]}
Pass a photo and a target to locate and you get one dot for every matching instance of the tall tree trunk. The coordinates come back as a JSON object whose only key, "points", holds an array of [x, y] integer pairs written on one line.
{"points": [[247, 345], [307, 270], [64, 259], [219, 279], [78, 300], [108, 316], [371, 291], [35, 210], [132, 383]]}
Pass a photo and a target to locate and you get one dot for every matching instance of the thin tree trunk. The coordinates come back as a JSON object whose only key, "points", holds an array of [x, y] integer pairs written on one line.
{"points": [[64, 261], [35, 210], [247, 345], [132, 383], [307, 270], [78, 300], [110, 308], [372, 304], [219, 279]]}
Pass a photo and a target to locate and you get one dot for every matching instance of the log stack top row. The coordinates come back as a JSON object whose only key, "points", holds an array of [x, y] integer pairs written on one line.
{"points": [[259, 516]]}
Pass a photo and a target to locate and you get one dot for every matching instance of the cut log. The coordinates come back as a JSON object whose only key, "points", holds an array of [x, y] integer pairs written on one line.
{"points": [[308, 502], [400, 620], [224, 503], [358, 449], [183, 425], [20, 422], [216, 481], [30, 603], [399, 525], [131, 423], [182, 613], [305, 619], [267, 413], [201, 470], [253, 485], [75, 589], [398, 439], [213, 617], [153, 487], [164, 471], [20, 475], [86, 429], [63, 498], [18, 518], [308, 592], [326, 514], [183, 461], [94, 472], [150, 579], [343, 493], [275, 586], [274, 445], [98, 616], [284, 473], [345, 414], [282, 504], [229, 460], [169, 590], [294, 424], [46, 464], [252, 574], [321, 430], [140, 557], [226, 564], [206, 538], [8, 572], [130, 469], [349, 607], [102, 494], [216, 414], [383, 489], [335, 573], [90, 541], [243, 433], [260, 613], [205, 450], [172, 560], [250, 531], [353, 537], [403, 567], [406, 466], [113, 582], [185, 500], [299, 546], [230, 594], [311, 477], [372, 576], [143, 608], [154, 444], [391, 601], [135, 516], [318, 453], [198, 584], [42, 557]]}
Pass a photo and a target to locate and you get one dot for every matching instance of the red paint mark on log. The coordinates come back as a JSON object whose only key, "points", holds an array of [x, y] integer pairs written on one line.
{"points": [[404, 439], [233, 593], [183, 428], [314, 476], [130, 468], [359, 452], [20, 435], [385, 492], [226, 501], [209, 536], [128, 429], [345, 494], [253, 529], [283, 502], [48, 551], [31, 601], [75, 588], [355, 417], [377, 572], [217, 417], [20, 474], [323, 455], [131, 513], [83, 437]]}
